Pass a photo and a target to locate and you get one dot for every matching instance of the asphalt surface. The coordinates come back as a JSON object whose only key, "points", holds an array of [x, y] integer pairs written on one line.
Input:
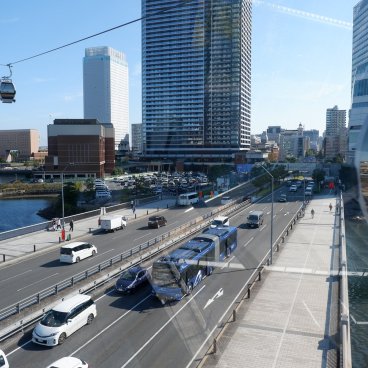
{"points": [[137, 330]]}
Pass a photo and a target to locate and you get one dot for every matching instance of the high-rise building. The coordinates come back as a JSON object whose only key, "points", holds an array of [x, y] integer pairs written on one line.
{"points": [[335, 137], [137, 142], [196, 63], [18, 143], [359, 77], [105, 89]]}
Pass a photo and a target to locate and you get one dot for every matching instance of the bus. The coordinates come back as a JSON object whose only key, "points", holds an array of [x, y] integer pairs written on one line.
{"points": [[179, 272], [187, 199]]}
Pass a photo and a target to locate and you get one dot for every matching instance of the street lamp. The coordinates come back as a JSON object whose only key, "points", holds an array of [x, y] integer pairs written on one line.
{"points": [[62, 191], [272, 179]]}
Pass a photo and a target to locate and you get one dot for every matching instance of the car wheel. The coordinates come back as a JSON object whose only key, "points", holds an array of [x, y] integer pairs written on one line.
{"points": [[62, 338], [90, 319], [158, 225], [93, 253], [77, 260]]}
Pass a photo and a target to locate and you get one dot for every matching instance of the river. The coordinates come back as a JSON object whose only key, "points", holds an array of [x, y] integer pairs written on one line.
{"points": [[16, 213]]}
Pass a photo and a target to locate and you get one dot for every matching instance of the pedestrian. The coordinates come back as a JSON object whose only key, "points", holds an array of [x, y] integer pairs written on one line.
{"points": [[58, 224], [133, 208], [312, 213], [71, 225], [330, 206], [53, 224], [132, 204]]}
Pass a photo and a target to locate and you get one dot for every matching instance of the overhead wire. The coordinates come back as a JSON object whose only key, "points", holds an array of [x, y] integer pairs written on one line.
{"points": [[176, 5]]}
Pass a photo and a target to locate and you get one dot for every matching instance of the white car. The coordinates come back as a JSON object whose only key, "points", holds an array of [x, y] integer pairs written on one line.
{"points": [[76, 251], [64, 319], [293, 188], [226, 200], [3, 361], [69, 362]]}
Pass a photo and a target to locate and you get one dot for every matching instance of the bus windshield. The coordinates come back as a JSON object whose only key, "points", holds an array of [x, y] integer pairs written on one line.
{"points": [[163, 275]]}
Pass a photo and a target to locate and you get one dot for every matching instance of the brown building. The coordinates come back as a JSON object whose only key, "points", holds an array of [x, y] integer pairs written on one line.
{"points": [[83, 146], [22, 142]]}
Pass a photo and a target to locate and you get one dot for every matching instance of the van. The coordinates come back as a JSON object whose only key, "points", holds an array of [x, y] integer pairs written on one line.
{"points": [[64, 319], [220, 221], [74, 252], [255, 219]]}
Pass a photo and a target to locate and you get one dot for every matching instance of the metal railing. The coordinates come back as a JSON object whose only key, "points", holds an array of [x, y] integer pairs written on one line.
{"points": [[345, 350]]}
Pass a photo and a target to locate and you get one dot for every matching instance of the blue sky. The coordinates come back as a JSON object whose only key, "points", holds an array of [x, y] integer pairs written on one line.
{"points": [[301, 59]]}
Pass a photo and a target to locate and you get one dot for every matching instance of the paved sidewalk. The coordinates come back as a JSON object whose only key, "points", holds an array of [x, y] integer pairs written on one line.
{"points": [[291, 319], [23, 245]]}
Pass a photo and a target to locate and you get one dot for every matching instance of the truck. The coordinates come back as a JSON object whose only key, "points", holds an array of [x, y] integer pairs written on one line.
{"points": [[112, 222]]}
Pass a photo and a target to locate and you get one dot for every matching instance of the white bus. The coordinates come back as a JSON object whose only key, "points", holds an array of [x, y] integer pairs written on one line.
{"points": [[187, 199]]}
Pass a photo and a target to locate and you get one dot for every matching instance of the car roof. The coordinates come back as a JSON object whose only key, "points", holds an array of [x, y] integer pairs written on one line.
{"points": [[72, 245], [134, 269], [256, 213], [66, 362], [220, 218], [69, 304]]}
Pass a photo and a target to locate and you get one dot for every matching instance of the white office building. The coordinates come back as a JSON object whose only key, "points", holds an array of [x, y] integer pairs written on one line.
{"points": [[105, 89]]}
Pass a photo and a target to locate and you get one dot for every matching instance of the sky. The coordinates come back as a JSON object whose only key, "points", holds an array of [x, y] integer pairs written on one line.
{"points": [[301, 59]]}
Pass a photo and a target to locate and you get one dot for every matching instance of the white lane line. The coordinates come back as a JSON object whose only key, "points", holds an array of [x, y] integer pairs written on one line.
{"points": [[111, 324], [12, 277], [310, 313], [262, 228], [100, 254], [281, 209], [153, 336], [267, 213], [34, 283], [189, 209], [143, 236], [248, 241], [227, 263], [264, 208]]}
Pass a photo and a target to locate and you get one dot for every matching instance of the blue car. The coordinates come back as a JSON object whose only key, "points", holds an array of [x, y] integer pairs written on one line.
{"points": [[132, 279]]}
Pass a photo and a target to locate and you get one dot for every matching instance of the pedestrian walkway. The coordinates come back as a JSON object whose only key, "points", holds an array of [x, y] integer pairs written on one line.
{"points": [[14, 248], [291, 319]]}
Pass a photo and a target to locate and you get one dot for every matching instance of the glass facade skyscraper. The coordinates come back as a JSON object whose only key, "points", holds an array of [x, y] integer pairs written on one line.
{"points": [[196, 77]]}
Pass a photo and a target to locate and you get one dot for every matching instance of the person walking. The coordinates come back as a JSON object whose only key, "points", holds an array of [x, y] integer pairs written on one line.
{"points": [[71, 225], [58, 224], [330, 207], [312, 213]]}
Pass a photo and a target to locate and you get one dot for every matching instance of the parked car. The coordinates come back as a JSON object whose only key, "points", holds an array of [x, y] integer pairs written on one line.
{"points": [[76, 251], [68, 362], [293, 188], [132, 279], [156, 221], [64, 319]]}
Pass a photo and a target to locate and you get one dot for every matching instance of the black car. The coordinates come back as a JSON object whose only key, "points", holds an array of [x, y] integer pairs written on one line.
{"points": [[156, 221], [131, 279]]}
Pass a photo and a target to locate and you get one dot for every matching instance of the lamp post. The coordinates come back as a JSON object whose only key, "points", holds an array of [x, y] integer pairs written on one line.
{"points": [[62, 191], [271, 241]]}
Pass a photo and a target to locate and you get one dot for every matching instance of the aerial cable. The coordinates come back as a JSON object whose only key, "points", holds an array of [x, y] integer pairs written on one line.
{"points": [[176, 5]]}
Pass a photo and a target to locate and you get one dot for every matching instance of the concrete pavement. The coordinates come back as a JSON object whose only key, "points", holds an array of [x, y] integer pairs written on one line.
{"points": [[291, 318], [12, 249]]}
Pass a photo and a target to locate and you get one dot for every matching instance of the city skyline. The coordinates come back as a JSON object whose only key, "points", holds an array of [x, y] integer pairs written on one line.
{"points": [[298, 68]]}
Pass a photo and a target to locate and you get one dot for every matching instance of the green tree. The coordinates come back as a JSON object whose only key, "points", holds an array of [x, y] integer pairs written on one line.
{"points": [[318, 175]]}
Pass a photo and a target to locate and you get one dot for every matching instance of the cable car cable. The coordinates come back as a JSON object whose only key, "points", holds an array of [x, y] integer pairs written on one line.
{"points": [[177, 5]]}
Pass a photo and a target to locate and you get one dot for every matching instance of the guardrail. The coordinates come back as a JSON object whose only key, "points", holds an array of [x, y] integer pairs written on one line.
{"points": [[177, 235], [230, 314], [345, 350]]}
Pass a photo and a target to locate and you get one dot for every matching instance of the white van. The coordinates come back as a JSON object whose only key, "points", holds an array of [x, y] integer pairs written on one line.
{"points": [[255, 219], [64, 319], [220, 221], [74, 252], [3, 361]]}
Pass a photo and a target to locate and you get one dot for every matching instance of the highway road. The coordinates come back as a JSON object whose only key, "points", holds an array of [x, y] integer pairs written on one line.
{"points": [[138, 331], [32, 275]]}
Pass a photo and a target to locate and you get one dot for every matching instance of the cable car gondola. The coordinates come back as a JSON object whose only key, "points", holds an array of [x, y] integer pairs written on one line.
{"points": [[7, 89]]}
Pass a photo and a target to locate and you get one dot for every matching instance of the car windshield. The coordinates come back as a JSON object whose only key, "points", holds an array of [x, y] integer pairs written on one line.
{"points": [[253, 217], [217, 222], [128, 276], [153, 219], [54, 318]]}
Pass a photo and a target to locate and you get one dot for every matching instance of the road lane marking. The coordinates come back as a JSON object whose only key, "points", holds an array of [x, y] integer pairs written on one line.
{"points": [[262, 228], [153, 336], [311, 314], [248, 241], [143, 236], [19, 274], [110, 325], [189, 209], [281, 209], [216, 296], [33, 283], [100, 254], [227, 263]]}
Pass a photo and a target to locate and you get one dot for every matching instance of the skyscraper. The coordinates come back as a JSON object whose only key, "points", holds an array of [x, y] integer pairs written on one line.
{"points": [[335, 139], [196, 60], [359, 77], [105, 89]]}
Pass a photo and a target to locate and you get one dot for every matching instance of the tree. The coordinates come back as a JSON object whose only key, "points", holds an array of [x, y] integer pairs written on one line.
{"points": [[318, 175]]}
